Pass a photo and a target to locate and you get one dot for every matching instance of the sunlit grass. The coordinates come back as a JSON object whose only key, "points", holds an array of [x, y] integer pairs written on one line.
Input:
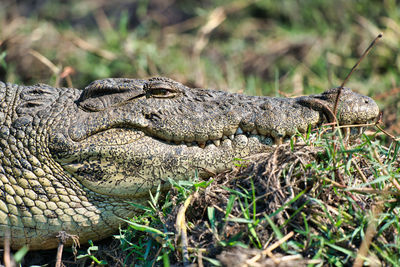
{"points": [[326, 222]]}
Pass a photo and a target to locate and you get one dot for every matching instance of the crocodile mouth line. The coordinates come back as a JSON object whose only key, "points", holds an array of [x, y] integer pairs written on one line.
{"points": [[264, 139], [121, 137], [126, 135]]}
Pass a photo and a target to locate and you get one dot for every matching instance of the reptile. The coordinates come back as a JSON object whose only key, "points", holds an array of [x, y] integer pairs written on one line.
{"points": [[71, 160]]}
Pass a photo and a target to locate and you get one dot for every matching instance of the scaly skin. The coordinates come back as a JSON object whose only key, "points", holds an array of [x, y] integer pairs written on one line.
{"points": [[71, 159]]}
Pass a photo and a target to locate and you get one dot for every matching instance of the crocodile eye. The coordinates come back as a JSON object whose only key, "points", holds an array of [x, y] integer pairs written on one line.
{"points": [[161, 92], [160, 89]]}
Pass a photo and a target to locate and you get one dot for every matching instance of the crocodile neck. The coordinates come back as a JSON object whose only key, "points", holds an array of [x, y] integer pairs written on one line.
{"points": [[37, 197]]}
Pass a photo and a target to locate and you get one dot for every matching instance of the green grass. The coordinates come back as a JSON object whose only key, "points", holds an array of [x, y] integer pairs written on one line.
{"points": [[327, 209], [277, 48]]}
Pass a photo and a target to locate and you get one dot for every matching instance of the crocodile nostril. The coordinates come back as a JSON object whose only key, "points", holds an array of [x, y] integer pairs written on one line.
{"points": [[366, 101]]}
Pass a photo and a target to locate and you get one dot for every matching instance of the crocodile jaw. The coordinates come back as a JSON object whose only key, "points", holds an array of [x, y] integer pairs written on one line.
{"points": [[134, 168]]}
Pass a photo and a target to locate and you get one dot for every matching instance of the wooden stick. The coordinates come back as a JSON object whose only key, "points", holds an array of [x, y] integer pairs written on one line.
{"points": [[353, 69]]}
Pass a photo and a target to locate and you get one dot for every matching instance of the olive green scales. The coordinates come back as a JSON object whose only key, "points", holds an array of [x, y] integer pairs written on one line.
{"points": [[71, 160]]}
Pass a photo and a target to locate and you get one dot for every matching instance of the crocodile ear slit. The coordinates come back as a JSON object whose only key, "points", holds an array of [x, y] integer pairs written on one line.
{"points": [[102, 94]]}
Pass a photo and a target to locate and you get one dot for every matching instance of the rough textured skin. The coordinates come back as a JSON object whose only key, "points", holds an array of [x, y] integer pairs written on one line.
{"points": [[70, 159]]}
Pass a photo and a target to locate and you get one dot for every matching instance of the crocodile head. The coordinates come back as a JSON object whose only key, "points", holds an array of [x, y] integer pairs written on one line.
{"points": [[126, 136]]}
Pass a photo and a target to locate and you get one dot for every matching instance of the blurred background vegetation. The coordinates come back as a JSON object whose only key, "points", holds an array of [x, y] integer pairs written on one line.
{"points": [[264, 47], [259, 47]]}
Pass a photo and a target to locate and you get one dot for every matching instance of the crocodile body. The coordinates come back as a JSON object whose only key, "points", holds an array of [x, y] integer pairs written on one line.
{"points": [[71, 160]]}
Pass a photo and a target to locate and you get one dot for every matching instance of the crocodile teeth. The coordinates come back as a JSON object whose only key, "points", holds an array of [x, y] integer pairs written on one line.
{"points": [[239, 131], [231, 136], [202, 145], [254, 131], [224, 137], [217, 142]]}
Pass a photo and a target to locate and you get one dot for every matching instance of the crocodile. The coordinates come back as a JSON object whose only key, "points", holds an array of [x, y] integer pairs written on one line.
{"points": [[72, 160]]}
